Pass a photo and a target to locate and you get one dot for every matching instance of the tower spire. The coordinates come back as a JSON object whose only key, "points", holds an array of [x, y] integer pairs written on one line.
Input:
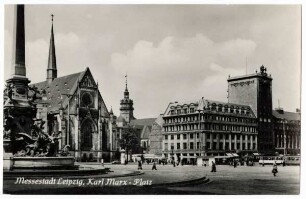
{"points": [[51, 70], [126, 82]]}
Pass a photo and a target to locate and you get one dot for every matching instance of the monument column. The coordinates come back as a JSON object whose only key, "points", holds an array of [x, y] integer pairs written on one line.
{"points": [[18, 109]]}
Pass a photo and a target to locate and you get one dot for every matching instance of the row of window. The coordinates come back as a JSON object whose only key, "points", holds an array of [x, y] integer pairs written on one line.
{"points": [[213, 146], [181, 111], [208, 136], [218, 127], [226, 109], [208, 117], [292, 128], [291, 141]]}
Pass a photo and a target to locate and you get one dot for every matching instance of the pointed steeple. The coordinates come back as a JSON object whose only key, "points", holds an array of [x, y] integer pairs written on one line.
{"points": [[111, 111], [19, 68], [126, 92], [52, 70]]}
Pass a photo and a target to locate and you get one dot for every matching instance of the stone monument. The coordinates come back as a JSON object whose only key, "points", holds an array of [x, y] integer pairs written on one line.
{"points": [[25, 144]]}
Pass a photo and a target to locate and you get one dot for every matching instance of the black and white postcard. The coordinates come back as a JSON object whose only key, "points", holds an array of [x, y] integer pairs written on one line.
{"points": [[152, 99]]}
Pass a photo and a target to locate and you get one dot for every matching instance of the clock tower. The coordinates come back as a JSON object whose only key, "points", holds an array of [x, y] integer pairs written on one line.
{"points": [[126, 105]]}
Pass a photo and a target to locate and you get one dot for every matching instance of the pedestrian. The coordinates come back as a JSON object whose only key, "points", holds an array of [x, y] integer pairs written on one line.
{"points": [[213, 167], [154, 166], [274, 170], [235, 164], [139, 165], [284, 163]]}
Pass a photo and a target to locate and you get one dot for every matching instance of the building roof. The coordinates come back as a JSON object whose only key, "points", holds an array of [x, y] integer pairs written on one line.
{"points": [[227, 104], [61, 85], [143, 122], [204, 104], [286, 115], [120, 119]]}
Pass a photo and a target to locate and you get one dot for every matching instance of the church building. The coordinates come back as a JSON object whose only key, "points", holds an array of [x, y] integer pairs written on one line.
{"points": [[73, 108]]}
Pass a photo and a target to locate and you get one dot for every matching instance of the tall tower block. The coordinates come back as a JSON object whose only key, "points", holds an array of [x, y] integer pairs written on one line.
{"points": [[255, 90]]}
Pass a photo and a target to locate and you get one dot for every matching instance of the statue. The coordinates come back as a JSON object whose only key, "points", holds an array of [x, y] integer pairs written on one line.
{"points": [[38, 144], [65, 150]]}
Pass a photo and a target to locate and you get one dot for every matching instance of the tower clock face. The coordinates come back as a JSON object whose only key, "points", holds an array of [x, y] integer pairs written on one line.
{"points": [[87, 99]]}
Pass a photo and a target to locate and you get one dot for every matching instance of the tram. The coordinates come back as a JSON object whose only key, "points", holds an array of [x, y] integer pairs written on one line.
{"points": [[289, 160]]}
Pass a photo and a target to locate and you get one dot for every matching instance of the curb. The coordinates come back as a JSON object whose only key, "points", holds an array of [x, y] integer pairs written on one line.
{"points": [[183, 183]]}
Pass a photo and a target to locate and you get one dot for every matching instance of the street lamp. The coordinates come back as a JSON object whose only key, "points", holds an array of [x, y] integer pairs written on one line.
{"points": [[285, 142], [200, 134]]}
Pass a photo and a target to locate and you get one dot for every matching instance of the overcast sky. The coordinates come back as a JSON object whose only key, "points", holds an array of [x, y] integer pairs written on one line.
{"points": [[170, 52]]}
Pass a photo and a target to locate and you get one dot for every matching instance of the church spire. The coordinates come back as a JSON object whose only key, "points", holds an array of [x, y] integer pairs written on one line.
{"points": [[51, 71]]}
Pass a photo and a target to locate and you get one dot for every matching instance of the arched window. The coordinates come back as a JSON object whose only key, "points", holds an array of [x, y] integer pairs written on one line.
{"points": [[87, 129]]}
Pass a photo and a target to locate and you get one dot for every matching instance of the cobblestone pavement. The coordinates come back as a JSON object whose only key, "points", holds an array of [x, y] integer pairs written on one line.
{"points": [[227, 180]]}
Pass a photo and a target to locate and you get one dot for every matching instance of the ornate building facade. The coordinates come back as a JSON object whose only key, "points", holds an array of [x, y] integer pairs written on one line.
{"points": [[206, 127]]}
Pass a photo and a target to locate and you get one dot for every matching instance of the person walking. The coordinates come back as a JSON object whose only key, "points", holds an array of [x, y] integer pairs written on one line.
{"points": [[154, 166], [139, 165], [284, 163], [274, 170], [235, 163], [213, 166]]}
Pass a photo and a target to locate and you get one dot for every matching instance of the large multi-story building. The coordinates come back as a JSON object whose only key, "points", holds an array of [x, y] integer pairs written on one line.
{"points": [[244, 125], [207, 127], [287, 131]]}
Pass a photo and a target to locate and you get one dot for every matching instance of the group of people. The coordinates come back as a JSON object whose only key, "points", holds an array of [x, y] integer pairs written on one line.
{"points": [[274, 169]]}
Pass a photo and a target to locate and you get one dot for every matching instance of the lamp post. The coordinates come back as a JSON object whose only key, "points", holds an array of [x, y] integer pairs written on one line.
{"points": [[285, 141], [200, 134]]}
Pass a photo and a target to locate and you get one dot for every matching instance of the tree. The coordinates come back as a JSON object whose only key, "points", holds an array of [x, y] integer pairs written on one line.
{"points": [[129, 140]]}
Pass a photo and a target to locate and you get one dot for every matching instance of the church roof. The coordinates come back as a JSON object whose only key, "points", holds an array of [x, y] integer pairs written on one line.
{"points": [[120, 119], [61, 85], [143, 122]]}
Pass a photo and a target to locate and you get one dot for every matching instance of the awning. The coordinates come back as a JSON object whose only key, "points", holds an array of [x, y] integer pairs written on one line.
{"points": [[235, 155], [255, 153], [229, 154]]}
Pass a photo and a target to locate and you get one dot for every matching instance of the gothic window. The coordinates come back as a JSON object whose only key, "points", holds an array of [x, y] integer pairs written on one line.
{"points": [[87, 130]]}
